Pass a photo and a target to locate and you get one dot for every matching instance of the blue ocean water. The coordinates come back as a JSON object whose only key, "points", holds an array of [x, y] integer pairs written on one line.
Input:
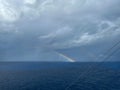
{"points": [[45, 65], [59, 76]]}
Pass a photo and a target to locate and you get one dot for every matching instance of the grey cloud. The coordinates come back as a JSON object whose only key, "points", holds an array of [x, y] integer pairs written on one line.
{"points": [[56, 24]]}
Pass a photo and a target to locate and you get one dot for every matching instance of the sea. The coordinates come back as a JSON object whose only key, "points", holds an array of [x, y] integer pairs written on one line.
{"points": [[59, 76]]}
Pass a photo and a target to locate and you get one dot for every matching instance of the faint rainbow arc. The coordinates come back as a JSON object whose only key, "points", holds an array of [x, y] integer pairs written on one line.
{"points": [[66, 57]]}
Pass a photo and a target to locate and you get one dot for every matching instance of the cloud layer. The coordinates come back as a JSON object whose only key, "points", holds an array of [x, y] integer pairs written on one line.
{"points": [[56, 24]]}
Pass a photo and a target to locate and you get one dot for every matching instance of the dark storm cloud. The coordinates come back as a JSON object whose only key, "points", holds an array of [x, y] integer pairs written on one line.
{"points": [[33, 27]]}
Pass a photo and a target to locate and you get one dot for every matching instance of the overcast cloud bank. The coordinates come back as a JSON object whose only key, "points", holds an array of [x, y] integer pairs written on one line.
{"points": [[35, 25]]}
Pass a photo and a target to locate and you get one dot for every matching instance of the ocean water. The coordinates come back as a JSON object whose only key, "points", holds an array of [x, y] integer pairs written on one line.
{"points": [[59, 76]]}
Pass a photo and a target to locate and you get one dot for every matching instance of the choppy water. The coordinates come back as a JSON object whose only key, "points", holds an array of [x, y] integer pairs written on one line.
{"points": [[59, 76]]}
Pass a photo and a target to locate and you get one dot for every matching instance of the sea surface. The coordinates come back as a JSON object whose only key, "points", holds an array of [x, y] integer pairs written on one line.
{"points": [[59, 76]]}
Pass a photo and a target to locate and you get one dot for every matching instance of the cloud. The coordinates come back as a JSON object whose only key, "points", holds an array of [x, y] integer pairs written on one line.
{"points": [[68, 38], [56, 24], [7, 12], [29, 1]]}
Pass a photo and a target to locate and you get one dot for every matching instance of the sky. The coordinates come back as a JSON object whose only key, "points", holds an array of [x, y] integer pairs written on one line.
{"points": [[58, 30]]}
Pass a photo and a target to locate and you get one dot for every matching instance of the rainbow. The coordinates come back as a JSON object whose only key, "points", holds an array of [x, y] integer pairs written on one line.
{"points": [[66, 57]]}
